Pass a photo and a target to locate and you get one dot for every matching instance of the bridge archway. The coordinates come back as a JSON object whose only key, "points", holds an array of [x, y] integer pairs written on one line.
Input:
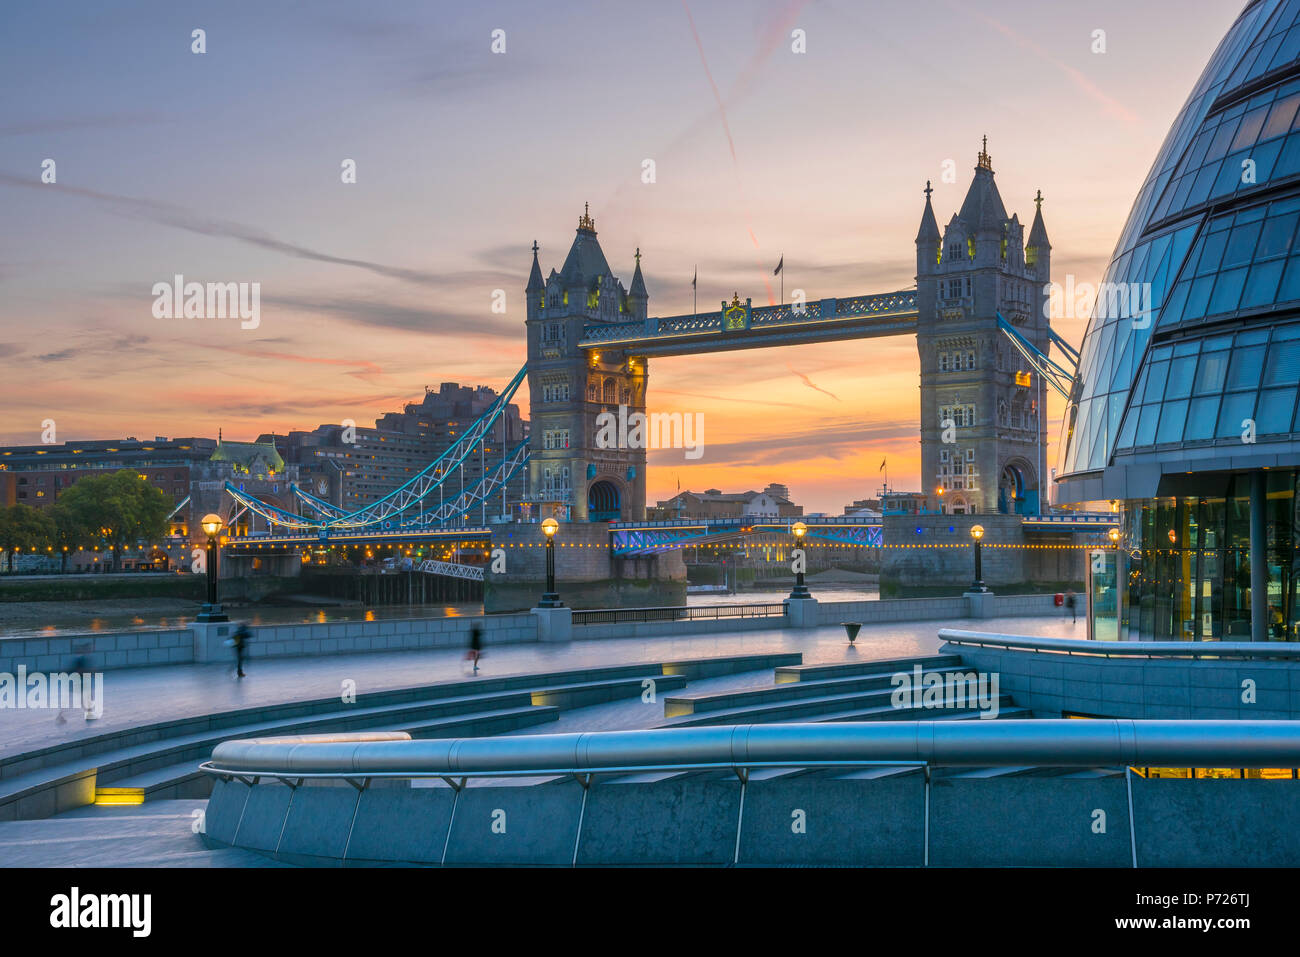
{"points": [[1017, 488], [604, 502]]}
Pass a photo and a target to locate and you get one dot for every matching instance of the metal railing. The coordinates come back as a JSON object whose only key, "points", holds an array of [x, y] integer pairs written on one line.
{"points": [[1045, 742], [1124, 649], [614, 616]]}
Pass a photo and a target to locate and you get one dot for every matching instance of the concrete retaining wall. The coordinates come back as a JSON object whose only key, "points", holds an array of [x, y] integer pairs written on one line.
{"points": [[806, 820], [131, 649], [1051, 683]]}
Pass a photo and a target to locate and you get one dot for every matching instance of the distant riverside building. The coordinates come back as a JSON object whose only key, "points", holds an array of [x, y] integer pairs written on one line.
{"points": [[714, 503], [1183, 414], [983, 431], [352, 474], [36, 474]]}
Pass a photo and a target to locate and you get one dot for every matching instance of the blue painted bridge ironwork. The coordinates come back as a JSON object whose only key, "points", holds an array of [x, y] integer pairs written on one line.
{"points": [[640, 538]]}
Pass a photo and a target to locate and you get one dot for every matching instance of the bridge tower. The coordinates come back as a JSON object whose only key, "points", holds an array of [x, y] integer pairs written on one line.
{"points": [[983, 409], [570, 475]]}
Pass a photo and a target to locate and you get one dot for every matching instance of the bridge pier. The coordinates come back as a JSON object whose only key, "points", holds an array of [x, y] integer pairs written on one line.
{"points": [[587, 574]]}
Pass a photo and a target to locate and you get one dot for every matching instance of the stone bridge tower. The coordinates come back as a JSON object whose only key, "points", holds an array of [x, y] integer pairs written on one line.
{"points": [[570, 475], [983, 408]]}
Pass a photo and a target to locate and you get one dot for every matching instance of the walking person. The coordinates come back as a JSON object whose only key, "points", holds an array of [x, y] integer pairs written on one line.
{"points": [[80, 668], [1072, 603], [240, 640], [475, 645]]}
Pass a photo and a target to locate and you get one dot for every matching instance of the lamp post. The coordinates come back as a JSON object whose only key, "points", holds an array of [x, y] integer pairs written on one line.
{"points": [[976, 533], [550, 599], [211, 611], [800, 589]]}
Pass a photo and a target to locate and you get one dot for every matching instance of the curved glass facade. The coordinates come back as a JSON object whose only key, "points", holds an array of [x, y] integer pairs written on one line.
{"points": [[1189, 340]]}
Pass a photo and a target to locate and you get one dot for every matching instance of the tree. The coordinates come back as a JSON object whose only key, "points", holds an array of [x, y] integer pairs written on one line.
{"points": [[22, 526], [116, 510], [71, 529]]}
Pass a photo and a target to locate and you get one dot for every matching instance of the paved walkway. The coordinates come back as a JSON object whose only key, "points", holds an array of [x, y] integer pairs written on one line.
{"points": [[149, 695]]}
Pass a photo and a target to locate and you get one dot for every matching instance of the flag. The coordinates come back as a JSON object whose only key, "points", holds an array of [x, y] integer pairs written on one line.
{"points": [[696, 277], [777, 270], [882, 466]]}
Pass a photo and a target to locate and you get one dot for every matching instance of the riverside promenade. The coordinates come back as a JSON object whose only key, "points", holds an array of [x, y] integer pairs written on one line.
{"points": [[145, 695]]}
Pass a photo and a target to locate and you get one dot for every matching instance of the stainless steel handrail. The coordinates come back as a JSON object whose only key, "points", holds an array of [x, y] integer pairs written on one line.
{"points": [[1103, 742], [1125, 649]]}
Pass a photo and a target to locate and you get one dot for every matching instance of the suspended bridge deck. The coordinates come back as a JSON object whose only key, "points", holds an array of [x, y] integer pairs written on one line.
{"points": [[741, 326]]}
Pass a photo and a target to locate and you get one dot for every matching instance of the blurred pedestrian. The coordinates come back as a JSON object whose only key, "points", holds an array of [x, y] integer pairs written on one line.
{"points": [[241, 639], [475, 645], [1072, 603]]}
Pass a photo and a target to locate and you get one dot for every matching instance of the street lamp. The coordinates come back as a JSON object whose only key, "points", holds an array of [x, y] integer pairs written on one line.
{"points": [[550, 600], [1114, 536], [800, 589], [976, 533], [211, 611]]}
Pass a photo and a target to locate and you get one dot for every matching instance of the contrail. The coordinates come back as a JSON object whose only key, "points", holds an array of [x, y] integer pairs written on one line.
{"points": [[731, 144], [179, 218], [810, 384]]}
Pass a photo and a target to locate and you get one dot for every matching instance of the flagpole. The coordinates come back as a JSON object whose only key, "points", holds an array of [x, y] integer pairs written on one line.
{"points": [[695, 293]]}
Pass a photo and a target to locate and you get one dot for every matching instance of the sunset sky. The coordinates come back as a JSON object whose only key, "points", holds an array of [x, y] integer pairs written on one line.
{"points": [[225, 167]]}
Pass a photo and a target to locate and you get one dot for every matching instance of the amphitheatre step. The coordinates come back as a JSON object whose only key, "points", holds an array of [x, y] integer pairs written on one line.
{"points": [[49, 789], [791, 673], [1005, 709], [77, 749], [185, 780], [697, 702], [803, 709]]}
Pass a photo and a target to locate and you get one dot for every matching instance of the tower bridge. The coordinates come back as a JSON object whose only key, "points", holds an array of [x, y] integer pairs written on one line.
{"points": [[978, 315]]}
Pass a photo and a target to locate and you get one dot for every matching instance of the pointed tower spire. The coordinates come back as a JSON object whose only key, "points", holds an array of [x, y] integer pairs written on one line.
{"points": [[535, 283], [637, 298], [929, 231], [1038, 250]]}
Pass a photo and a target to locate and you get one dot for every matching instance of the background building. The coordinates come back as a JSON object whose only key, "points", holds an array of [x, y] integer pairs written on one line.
{"points": [[772, 502], [36, 474], [1183, 411]]}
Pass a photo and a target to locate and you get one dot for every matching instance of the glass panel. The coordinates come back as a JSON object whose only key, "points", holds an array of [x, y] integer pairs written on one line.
{"points": [[1276, 237], [1280, 116], [1247, 365], [1283, 363], [1171, 422], [1201, 418], [1156, 384], [1262, 284], [1241, 245], [1248, 132], [1274, 413], [1181, 373], [1227, 291], [1146, 433], [1290, 288], [1210, 374], [1237, 407]]}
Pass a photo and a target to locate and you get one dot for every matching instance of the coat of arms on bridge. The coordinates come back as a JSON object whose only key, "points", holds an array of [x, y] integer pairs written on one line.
{"points": [[735, 317]]}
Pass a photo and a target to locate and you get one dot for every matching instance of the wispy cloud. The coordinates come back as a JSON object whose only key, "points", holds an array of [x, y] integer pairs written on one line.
{"points": [[177, 217]]}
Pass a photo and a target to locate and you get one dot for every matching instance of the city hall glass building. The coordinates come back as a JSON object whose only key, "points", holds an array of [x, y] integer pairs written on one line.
{"points": [[1184, 408]]}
